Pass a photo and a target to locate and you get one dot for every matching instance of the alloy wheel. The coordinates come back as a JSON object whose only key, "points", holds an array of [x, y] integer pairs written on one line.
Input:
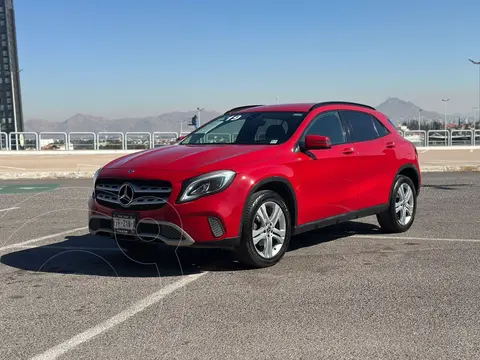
{"points": [[404, 204], [269, 229]]}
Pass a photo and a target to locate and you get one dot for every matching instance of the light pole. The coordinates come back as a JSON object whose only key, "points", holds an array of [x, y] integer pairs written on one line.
{"points": [[181, 125], [445, 101], [478, 64], [198, 116], [419, 118]]}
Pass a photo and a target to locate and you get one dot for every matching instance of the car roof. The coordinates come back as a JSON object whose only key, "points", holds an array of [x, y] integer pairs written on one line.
{"points": [[295, 107]]}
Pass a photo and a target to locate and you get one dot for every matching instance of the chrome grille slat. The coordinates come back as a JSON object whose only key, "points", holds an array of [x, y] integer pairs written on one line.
{"points": [[108, 187], [137, 189], [147, 194]]}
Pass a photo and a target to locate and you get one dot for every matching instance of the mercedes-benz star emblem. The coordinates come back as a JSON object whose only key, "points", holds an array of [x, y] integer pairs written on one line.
{"points": [[125, 195]]}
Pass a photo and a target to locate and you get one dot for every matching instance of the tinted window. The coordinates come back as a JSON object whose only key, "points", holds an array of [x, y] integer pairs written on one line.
{"points": [[328, 124], [395, 126], [381, 129], [247, 129], [362, 125]]}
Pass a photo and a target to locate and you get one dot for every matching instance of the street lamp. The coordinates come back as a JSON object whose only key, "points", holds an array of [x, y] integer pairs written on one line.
{"points": [[478, 64], [198, 116], [445, 101], [419, 118]]}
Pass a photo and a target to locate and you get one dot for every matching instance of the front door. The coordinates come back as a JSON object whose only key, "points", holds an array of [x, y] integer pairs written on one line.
{"points": [[326, 187]]}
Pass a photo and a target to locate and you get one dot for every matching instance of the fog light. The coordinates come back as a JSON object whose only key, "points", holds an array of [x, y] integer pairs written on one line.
{"points": [[216, 227]]}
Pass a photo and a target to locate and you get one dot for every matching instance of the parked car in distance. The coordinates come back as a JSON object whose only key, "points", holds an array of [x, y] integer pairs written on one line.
{"points": [[255, 176]]}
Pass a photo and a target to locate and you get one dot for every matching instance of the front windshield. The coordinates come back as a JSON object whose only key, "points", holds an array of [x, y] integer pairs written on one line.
{"points": [[248, 128]]}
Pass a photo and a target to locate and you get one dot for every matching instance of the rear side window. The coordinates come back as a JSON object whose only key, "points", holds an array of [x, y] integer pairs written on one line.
{"points": [[395, 126], [364, 126], [381, 129]]}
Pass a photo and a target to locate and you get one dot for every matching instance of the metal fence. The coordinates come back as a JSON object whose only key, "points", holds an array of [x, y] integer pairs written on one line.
{"points": [[145, 140], [437, 138]]}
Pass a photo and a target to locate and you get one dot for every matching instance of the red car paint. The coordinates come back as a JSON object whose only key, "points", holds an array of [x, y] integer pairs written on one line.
{"points": [[324, 183]]}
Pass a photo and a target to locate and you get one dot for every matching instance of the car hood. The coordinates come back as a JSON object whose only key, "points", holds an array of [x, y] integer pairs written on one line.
{"points": [[195, 157]]}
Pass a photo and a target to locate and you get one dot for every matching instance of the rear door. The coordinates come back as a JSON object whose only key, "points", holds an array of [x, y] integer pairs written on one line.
{"points": [[325, 181], [377, 162]]}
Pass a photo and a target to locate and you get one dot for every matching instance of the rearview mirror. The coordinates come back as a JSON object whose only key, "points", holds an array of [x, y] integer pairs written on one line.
{"points": [[317, 142]]}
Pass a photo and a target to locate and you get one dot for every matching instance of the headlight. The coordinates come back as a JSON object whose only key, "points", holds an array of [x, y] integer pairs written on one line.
{"points": [[205, 184]]}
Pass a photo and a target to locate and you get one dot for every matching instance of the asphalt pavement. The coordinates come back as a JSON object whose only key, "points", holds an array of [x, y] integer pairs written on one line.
{"points": [[345, 292]]}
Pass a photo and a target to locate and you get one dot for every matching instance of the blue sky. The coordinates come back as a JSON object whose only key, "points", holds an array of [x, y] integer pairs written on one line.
{"points": [[126, 58]]}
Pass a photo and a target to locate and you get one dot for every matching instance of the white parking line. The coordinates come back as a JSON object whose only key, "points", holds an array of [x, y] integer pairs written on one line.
{"points": [[88, 165], [13, 246], [121, 317], [8, 209], [412, 238]]}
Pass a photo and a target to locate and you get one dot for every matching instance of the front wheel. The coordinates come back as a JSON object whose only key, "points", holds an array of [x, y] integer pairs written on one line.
{"points": [[400, 215], [266, 230]]}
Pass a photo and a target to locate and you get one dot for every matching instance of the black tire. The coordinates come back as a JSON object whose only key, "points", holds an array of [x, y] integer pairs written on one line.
{"points": [[388, 220], [246, 252]]}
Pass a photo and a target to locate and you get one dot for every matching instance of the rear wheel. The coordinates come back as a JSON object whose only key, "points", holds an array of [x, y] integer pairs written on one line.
{"points": [[266, 230], [400, 215]]}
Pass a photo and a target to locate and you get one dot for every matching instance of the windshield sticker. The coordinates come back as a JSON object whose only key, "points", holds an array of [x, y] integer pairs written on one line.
{"points": [[273, 141], [234, 117]]}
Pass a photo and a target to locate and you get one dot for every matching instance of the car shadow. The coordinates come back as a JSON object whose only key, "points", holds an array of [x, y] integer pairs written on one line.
{"points": [[97, 256], [447, 187]]}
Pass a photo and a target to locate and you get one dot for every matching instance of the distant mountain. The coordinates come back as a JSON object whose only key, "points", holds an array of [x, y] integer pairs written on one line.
{"points": [[396, 109], [399, 110], [89, 123]]}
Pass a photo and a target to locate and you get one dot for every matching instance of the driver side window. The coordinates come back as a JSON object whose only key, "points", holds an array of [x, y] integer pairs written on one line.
{"points": [[328, 124]]}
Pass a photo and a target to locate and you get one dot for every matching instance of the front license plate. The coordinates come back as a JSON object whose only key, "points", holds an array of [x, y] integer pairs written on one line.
{"points": [[124, 224]]}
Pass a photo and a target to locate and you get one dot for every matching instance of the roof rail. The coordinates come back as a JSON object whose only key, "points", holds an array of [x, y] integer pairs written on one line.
{"points": [[240, 108], [325, 103]]}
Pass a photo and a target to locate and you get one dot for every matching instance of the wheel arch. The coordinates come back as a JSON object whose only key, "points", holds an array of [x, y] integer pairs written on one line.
{"points": [[283, 188], [410, 171]]}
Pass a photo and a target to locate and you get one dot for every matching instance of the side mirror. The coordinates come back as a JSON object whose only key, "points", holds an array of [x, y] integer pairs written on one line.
{"points": [[317, 142]]}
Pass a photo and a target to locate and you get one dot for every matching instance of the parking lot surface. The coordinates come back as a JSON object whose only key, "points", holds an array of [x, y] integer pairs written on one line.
{"points": [[345, 292]]}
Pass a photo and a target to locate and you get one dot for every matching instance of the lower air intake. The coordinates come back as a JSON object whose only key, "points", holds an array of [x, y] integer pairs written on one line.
{"points": [[216, 226]]}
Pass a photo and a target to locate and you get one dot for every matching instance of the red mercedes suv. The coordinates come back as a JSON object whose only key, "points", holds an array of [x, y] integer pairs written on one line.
{"points": [[251, 178]]}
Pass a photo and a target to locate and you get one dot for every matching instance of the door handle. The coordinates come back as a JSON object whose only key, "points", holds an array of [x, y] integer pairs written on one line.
{"points": [[390, 144], [348, 151]]}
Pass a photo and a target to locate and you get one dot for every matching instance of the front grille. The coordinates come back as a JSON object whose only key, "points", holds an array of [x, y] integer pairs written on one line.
{"points": [[147, 194]]}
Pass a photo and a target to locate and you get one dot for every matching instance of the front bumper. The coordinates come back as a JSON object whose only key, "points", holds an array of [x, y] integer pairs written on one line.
{"points": [[148, 230], [210, 221], [213, 221]]}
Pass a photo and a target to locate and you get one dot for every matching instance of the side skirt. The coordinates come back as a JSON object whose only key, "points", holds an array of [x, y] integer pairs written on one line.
{"points": [[339, 219]]}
